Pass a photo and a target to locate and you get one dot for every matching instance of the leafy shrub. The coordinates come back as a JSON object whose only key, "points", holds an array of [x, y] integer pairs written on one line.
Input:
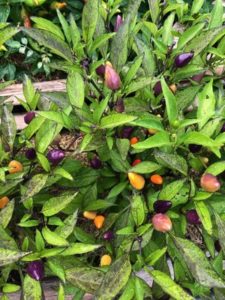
{"points": [[151, 117]]}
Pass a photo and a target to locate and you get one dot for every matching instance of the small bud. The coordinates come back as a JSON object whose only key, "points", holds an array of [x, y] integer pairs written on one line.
{"points": [[30, 154], [183, 59], [119, 106], [36, 270], [192, 217], [112, 78], [29, 117], [108, 235], [194, 148], [55, 156], [96, 163], [119, 22], [209, 183], [162, 206], [161, 223], [157, 89]]}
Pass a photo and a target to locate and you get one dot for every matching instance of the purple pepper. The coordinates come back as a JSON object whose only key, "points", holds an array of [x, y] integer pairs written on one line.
{"points": [[223, 128], [30, 154], [36, 270], [55, 156], [118, 23], [157, 89], [119, 106], [126, 132], [100, 71], [183, 59], [194, 148], [96, 163], [108, 235], [29, 117], [198, 77], [192, 217], [162, 206], [217, 246]]}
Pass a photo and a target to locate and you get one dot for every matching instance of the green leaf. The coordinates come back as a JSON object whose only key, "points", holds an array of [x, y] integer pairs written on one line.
{"points": [[100, 41], [216, 19], [154, 6], [75, 89], [201, 41], [171, 189], [133, 70], [48, 25], [221, 231], [167, 36], [155, 256], [115, 120], [128, 293], [86, 141], [89, 19], [35, 185], [6, 33], [98, 204], [56, 204], [53, 238], [171, 102], [196, 6], [138, 84], [86, 279], [65, 26], [50, 41], [148, 61], [8, 256], [31, 289], [115, 279], [57, 268], [204, 216], [148, 122], [79, 248], [10, 288], [29, 93], [39, 241], [44, 162], [198, 264], [198, 138], [6, 214], [189, 34], [57, 116], [168, 285], [120, 45], [138, 210], [63, 173], [206, 105], [145, 167], [61, 293], [117, 189], [216, 168], [157, 140], [74, 32], [100, 108], [172, 161], [8, 127]]}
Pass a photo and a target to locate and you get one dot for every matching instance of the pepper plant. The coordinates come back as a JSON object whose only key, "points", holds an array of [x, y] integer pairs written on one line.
{"points": [[141, 215]]}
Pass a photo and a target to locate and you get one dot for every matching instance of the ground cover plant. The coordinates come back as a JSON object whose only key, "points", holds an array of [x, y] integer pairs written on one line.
{"points": [[144, 188]]}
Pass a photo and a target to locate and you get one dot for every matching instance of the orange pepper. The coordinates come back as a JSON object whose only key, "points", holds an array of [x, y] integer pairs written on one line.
{"points": [[134, 140], [15, 167], [136, 162], [137, 181], [4, 201], [99, 221], [106, 260], [90, 215], [173, 88], [156, 179]]}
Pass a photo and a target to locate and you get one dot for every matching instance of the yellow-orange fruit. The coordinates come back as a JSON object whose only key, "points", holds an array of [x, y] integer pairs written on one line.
{"points": [[90, 215], [58, 5], [137, 181], [173, 88], [152, 131], [156, 179], [106, 260], [15, 167], [134, 140], [99, 221], [4, 201], [209, 183]]}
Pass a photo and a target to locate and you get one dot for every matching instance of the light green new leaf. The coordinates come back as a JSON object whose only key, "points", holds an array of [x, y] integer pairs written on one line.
{"points": [[172, 161], [115, 279], [168, 285], [171, 189], [137, 210], [196, 6], [8, 127], [75, 89], [171, 102], [6, 33], [89, 19], [138, 84], [56, 204], [133, 70], [6, 213], [65, 26], [115, 120], [216, 19], [35, 185], [148, 61], [100, 41], [216, 168], [167, 36], [8, 256], [31, 289], [189, 34], [69, 223], [204, 216], [48, 25], [145, 167], [53, 238], [157, 140], [79, 248]]}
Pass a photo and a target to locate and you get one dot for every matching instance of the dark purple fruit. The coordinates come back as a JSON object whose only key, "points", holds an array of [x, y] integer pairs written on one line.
{"points": [[217, 246], [96, 163], [183, 59], [30, 154], [100, 71], [198, 77], [29, 117], [126, 132], [119, 106], [157, 89], [223, 128], [194, 148], [36, 270], [55, 156], [192, 217], [162, 206], [108, 235]]}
